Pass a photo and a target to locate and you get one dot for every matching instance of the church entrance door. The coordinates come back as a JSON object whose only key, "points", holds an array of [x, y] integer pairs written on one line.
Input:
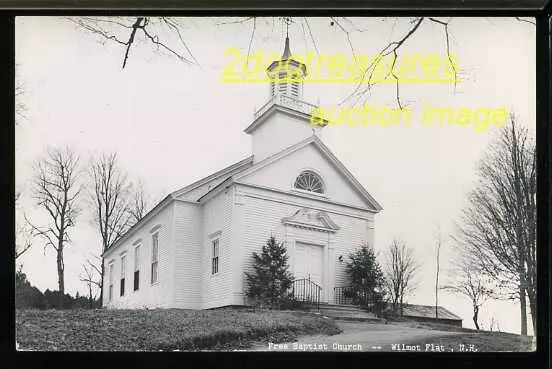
{"points": [[309, 261]]}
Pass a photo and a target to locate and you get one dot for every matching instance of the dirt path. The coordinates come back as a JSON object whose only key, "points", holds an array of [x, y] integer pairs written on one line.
{"points": [[360, 336]]}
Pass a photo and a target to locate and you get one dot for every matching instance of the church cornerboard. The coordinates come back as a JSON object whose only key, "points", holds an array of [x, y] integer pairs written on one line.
{"points": [[193, 249]]}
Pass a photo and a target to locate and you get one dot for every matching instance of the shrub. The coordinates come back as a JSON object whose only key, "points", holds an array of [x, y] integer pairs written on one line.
{"points": [[269, 285], [364, 271], [367, 280], [27, 296], [30, 297]]}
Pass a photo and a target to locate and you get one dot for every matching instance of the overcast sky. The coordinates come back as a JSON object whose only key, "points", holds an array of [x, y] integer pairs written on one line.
{"points": [[172, 123]]}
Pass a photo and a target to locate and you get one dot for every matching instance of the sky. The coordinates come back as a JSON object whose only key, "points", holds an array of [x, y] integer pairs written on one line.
{"points": [[172, 123]]}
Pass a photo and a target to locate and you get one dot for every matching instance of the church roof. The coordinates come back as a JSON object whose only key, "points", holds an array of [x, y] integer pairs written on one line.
{"points": [[285, 56], [234, 172], [233, 168], [426, 311], [375, 206]]}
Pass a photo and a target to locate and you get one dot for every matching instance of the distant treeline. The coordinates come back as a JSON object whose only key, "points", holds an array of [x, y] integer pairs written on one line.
{"points": [[30, 297]]}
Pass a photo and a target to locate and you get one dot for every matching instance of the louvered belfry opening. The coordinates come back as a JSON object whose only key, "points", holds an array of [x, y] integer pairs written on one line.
{"points": [[286, 75]]}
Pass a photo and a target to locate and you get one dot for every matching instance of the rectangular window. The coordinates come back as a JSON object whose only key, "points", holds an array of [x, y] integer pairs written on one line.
{"points": [[123, 273], [136, 280], [154, 257], [136, 268], [111, 272], [215, 257]]}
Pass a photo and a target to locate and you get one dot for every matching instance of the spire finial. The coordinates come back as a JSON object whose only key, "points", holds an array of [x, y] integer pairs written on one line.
{"points": [[288, 22], [287, 52]]}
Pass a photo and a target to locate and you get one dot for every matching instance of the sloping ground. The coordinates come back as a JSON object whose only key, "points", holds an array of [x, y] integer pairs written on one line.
{"points": [[160, 329], [404, 337], [486, 342]]}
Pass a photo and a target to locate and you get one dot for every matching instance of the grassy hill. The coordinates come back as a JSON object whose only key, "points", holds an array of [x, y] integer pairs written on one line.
{"points": [[482, 341], [223, 329], [160, 329]]}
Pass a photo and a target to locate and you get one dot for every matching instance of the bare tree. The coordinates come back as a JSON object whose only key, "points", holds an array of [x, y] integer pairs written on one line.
{"points": [[23, 240], [473, 284], [498, 226], [437, 273], [159, 31], [20, 107], [400, 270], [125, 31], [140, 202], [56, 190], [110, 196], [494, 325], [92, 277], [23, 233]]}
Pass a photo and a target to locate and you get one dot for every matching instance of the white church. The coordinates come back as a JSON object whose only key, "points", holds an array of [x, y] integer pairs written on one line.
{"points": [[192, 250]]}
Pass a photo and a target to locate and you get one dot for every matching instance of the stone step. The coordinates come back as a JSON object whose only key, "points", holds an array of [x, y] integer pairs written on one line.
{"points": [[337, 307], [341, 307], [344, 312], [339, 315], [359, 318]]}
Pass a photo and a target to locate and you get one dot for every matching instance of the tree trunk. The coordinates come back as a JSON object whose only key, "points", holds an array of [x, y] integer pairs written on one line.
{"points": [[523, 309], [90, 297], [533, 309], [61, 282], [475, 316], [102, 284], [395, 302], [401, 305], [437, 280]]}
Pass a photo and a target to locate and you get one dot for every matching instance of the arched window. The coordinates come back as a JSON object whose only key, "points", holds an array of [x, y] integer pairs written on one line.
{"points": [[309, 181]]}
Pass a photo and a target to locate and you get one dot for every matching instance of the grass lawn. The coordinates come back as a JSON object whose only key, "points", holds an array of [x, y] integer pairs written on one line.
{"points": [[484, 341], [160, 329]]}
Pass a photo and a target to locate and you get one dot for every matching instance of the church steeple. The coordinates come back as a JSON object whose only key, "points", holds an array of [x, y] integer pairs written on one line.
{"points": [[286, 75], [287, 52], [285, 118]]}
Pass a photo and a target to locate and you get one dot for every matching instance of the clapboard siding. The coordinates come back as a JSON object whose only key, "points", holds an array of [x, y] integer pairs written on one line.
{"points": [[261, 212], [243, 218], [148, 295], [352, 235], [188, 261], [239, 227], [217, 219]]}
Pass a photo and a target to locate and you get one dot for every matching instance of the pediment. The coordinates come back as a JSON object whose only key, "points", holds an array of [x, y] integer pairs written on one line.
{"points": [[311, 219], [280, 170]]}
